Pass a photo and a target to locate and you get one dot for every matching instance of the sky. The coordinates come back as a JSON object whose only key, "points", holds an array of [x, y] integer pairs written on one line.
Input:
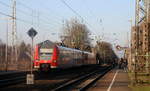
{"points": [[108, 19]]}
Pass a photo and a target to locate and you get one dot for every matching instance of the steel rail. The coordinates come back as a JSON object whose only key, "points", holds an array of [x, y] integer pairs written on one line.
{"points": [[12, 81], [93, 81], [81, 79], [12, 78]]}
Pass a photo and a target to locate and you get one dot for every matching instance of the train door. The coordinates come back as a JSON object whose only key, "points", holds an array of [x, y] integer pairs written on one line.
{"points": [[98, 59]]}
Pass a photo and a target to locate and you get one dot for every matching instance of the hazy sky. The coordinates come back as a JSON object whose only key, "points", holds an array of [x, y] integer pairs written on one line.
{"points": [[102, 17]]}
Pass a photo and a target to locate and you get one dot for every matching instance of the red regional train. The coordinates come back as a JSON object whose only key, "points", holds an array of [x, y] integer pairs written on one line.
{"points": [[50, 56]]}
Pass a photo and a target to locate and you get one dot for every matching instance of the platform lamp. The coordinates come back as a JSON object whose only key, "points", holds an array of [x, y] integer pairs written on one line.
{"points": [[30, 77]]}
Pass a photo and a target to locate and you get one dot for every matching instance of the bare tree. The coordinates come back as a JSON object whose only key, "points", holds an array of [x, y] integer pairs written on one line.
{"points": [[75, 35], [23, 57], [2, 51], [24, 50], [1, 42], [105, 51]]}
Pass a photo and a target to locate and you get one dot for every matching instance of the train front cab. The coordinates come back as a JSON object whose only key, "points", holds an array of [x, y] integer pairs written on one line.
{"points": [[46, 59]]}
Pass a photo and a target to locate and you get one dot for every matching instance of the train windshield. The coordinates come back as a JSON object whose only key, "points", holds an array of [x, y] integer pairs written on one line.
{"points": [[45, 54]]}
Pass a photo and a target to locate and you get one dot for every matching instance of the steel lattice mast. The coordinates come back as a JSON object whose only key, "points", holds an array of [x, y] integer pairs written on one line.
{"points": [[14, 32], [142, 17]]}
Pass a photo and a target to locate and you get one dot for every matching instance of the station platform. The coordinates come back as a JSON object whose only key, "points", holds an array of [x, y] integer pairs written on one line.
{"points": [[115, 80]]}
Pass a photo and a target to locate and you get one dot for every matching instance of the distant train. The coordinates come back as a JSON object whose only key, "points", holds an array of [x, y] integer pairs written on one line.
{"points": [[51, 56]]}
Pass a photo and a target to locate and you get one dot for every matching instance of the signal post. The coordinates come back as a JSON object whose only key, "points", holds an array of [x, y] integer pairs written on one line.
{"points": [[30, 77]]}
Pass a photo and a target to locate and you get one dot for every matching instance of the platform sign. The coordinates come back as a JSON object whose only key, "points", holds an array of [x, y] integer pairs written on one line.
{"points": [[30, 79]]}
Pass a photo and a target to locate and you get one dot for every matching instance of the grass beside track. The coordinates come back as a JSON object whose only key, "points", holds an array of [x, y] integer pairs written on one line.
{"points": [[140, 88], [143, 82]]}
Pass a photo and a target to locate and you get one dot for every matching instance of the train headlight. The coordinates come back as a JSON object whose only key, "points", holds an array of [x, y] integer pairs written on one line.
{"points": [[54, 61]]}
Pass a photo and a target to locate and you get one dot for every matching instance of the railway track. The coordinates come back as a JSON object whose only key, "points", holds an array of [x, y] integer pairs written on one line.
{"points": [[84, 82], [12, 78], [12, 81], [50, 81]]}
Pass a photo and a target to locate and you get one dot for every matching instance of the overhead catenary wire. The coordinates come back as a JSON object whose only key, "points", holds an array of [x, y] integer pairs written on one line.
{"points": [[24, 21], [19, 10], [5, 14], [92, 14], [45, 21], [18, 19], [27, 7], [75, 12], [88, 9], [38, 11], [72, 9], [48, 9], [49, 26]]}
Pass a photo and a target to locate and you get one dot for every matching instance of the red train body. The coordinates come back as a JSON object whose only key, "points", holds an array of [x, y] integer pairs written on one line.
{"points": [[54, 56]]}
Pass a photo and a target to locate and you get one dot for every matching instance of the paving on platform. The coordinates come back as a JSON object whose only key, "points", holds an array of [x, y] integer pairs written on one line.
{"points": [[115, 80]]}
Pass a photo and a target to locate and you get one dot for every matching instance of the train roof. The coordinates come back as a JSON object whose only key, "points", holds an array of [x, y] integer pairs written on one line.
{"points": [[46, 44], [50, 44], [72, 49]]}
